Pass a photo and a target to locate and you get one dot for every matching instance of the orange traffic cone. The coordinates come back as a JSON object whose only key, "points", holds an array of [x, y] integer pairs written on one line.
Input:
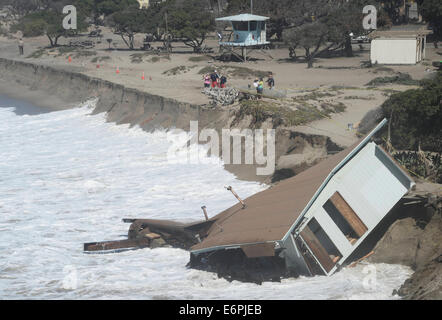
{"points": [[143, 77], [70, 59], [118, 70]]}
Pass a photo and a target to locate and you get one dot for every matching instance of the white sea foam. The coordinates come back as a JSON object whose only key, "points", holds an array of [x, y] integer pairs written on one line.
{"points": [[69, 177]]}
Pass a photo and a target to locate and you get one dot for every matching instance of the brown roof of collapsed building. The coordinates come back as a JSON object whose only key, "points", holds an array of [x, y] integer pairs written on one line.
{"points": [[270, 214]]}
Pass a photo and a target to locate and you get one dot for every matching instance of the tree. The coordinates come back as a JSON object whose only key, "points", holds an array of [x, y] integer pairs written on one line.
{"points": [[21, 8], [416, 117], [392, 8], [216, 6], [310, 37], [48, 20], [343, 19], [191, 22], [127, 23], [279, 12], [154, 22], [431, 11], [322, 26], [109, 7]]}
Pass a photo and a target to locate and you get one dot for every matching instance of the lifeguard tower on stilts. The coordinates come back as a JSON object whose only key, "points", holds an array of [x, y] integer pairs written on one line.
{"points": [[249, 33]]}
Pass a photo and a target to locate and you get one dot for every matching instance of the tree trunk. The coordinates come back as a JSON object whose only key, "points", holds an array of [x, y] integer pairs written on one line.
{"points": [[124, 39], [292, 53], [131, 41], [309, 58], [56, 39], [50, 40], [53, 41]]}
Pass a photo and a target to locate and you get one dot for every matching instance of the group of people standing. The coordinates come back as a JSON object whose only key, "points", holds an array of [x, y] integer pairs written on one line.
{"points": [[214, 80], [259, 84]]}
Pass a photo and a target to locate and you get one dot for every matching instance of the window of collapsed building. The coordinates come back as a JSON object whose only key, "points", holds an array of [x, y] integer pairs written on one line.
{"points": [[345, 218], [320, 245]]}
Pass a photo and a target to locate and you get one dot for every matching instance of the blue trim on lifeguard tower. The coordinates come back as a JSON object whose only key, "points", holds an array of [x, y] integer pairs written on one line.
{"points": [[248, 30]]}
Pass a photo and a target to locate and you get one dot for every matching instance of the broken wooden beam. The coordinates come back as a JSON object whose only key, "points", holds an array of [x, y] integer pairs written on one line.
{"points": [[116, 245]]}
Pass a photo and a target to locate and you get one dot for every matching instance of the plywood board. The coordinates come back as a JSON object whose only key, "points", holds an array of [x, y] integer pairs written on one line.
{"points": [[347, 212], [317, 249]]}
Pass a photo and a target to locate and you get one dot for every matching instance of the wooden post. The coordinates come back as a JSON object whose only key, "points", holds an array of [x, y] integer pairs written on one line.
{"points": [[205, 212], [236, 196]]}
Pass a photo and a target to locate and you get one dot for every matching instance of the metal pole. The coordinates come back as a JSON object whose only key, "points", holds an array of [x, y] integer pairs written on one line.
{"points": [[251, 6]]}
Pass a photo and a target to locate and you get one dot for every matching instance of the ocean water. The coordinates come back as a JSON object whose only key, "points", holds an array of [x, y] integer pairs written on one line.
{"points": [[68, 177]]}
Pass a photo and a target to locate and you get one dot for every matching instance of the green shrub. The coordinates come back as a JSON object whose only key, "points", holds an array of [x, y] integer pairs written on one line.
{"points": [[32, 28], [37, 54], [200, 58], [65, 49], [85, 53], [400, 78], [3, 31], [100, 59], [178, 70], [416, 116], [283, 115], [155, 59]]}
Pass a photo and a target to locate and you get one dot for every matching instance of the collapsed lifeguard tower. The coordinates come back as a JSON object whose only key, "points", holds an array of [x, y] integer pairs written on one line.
{"points": [[249, 32]]}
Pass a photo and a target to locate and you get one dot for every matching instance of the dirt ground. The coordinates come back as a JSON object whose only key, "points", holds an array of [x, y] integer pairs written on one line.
{"points": [[178, 75]]}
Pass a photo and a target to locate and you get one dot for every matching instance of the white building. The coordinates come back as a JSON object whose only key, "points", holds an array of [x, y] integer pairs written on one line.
{"points": [[396, 47], [358, 194], [317, 219]]}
